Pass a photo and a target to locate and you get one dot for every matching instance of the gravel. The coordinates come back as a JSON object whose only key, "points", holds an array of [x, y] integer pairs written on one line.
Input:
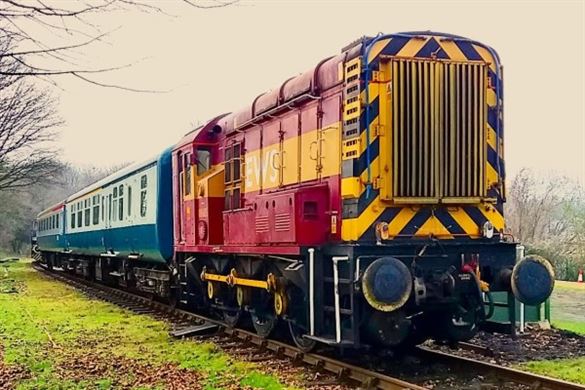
{"points": [[534, 344]]}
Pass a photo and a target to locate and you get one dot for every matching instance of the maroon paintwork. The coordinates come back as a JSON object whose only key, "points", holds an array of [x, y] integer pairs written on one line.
{"points": [[281, 220]]}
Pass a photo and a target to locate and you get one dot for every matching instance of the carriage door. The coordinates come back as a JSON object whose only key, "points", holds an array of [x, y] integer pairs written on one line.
{"points": [[107, 237]]}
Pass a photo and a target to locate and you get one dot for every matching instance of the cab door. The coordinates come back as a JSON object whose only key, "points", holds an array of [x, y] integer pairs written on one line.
{"points": [[186, 210], [309, 149], [181, 197]]}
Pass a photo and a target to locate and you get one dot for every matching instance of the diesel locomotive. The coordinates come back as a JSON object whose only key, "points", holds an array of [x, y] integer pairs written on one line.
{"points": [[359, 203]]}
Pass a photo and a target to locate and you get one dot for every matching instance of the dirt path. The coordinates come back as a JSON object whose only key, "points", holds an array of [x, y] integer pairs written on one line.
{"points": [[568, 305]]}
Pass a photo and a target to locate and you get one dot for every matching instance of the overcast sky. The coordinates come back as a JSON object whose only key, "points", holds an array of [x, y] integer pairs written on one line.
{"points": [[215, 61]]}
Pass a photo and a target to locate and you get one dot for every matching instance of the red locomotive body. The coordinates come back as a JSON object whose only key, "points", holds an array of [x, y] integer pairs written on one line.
{"points": [[279, 189]]}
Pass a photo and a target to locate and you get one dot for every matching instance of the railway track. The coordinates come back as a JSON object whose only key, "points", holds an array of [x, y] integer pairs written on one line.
{"points": [[343, 371]]}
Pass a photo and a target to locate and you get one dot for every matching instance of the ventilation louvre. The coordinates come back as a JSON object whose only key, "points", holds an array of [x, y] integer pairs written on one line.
{"points": [[439, 114]]}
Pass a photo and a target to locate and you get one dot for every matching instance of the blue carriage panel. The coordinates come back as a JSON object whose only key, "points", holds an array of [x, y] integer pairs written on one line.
{"points": [[164, 205]]}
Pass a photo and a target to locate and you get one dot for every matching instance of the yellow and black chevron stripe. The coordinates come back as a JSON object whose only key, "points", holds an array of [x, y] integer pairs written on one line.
{"points": [[365, 195]]}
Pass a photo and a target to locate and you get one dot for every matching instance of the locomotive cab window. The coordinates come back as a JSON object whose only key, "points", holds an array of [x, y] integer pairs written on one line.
{"points": [[187, 170], [233, 178], [203, 160]]}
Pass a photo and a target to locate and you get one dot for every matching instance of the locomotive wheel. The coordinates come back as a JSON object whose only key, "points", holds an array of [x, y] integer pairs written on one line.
{"points": [[296, 333], [264, 323], [231, 317], [460, 326]]}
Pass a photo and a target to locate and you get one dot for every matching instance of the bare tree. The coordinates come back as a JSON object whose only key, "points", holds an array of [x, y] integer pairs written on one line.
{"points": [[28, 120], [548, 215], [74, 24]]}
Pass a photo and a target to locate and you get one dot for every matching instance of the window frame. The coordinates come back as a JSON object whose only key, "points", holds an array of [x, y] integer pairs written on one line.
{"points": [[188, 173], [207, 167], [129, 202], [233, 176], [143, 195]]}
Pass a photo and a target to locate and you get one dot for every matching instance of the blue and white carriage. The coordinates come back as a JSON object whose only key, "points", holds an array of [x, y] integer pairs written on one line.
{"points": [[126, 217]]}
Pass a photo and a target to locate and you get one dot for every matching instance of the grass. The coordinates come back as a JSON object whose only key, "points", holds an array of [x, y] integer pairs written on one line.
{"points": [[575, 327], [46, 326], [564, 285], [568, 313], [568, 306], [572, 370]]}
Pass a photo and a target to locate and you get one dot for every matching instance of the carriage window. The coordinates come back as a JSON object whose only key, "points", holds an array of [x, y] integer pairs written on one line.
{"points": [[203, 161], [57, 220], [143, 189], [79, 217], [96, 214], [87, 216], [121, 200], [143, 203], [110, 207], [103, 209], [114, 211], [129, 201], [72, 220]]}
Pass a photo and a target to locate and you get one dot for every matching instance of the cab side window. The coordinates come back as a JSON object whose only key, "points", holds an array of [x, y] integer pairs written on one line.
{"points": [[187, 170], [203, 161], [232, 175]]}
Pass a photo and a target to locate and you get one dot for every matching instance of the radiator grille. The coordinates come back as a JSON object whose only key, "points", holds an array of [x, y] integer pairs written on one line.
{"points": [[438, 122]]}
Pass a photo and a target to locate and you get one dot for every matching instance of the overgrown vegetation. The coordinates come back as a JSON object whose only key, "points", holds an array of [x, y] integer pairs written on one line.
{"points": [[19, 207], [56, 338], [547, 215]]}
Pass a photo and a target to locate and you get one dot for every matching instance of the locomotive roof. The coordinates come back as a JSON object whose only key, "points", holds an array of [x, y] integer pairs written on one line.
{"points": [[321, 77]]}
